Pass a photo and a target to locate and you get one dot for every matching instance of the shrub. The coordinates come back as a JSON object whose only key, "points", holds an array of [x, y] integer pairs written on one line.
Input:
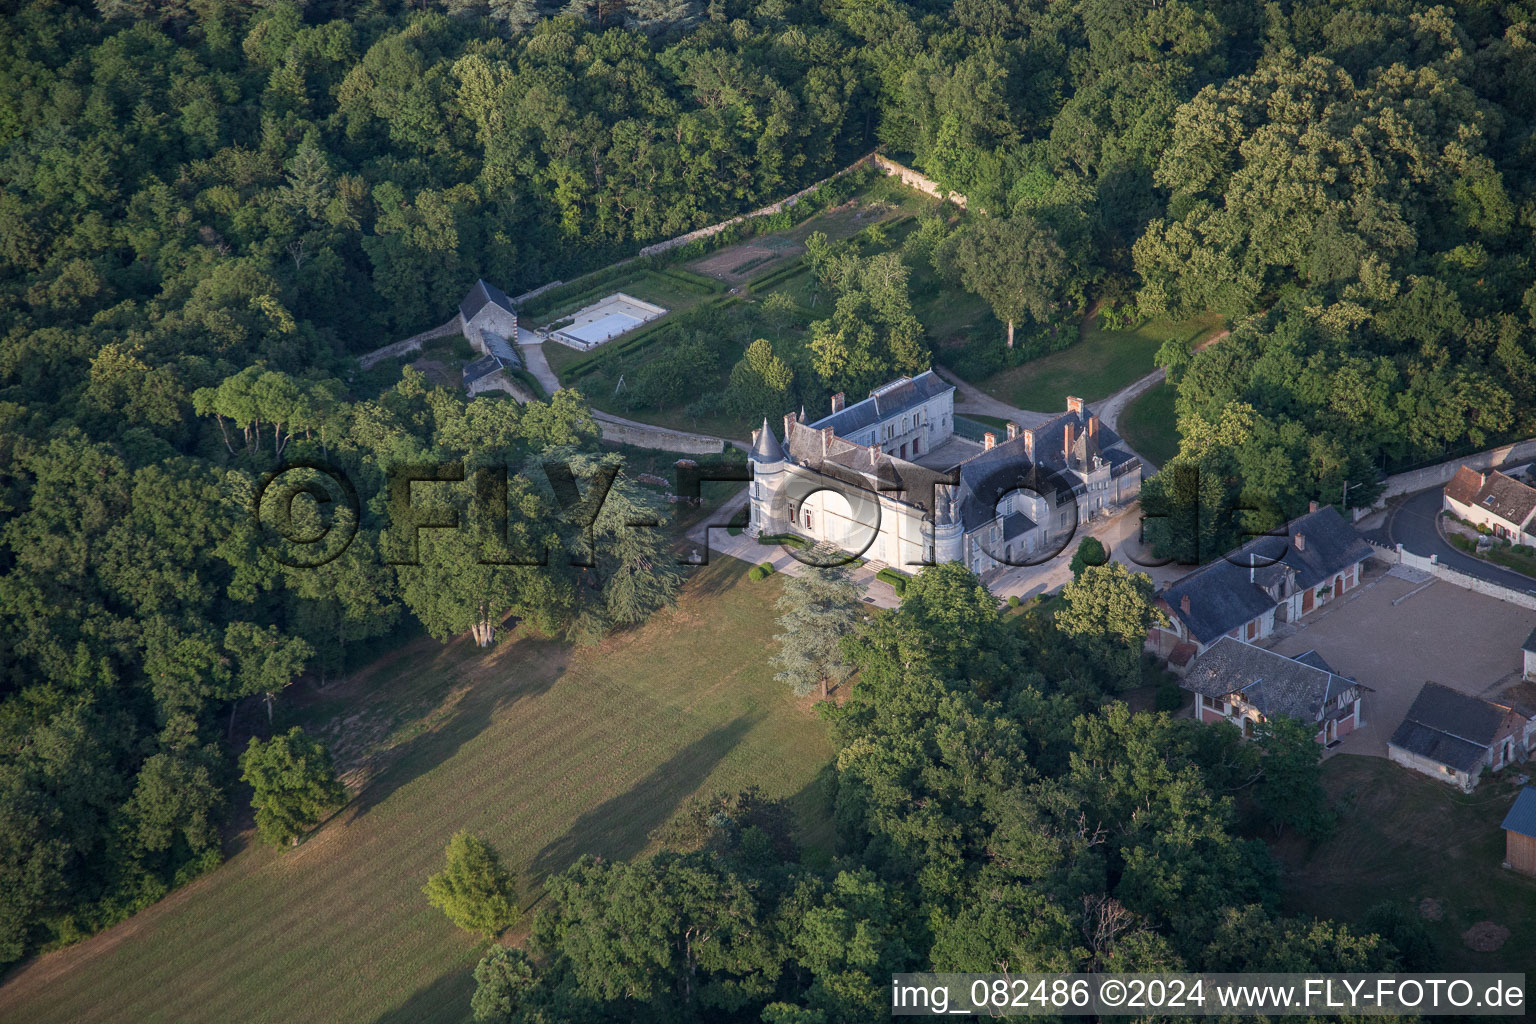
{"points": [[1013, 600], [1169, 696], [789, 540], [896, 578], [473, 889], [760, 571]]}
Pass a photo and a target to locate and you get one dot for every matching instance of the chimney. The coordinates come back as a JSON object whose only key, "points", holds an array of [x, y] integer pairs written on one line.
{"points": [[988, 441], [826, 439], [837, 402], [1066, 448], [874, 451], [1311, 507], [1301, 542], [789, 421], [1013, 430], [1093, 427], [1074, 404], [1029, 444], [1184, 604]]}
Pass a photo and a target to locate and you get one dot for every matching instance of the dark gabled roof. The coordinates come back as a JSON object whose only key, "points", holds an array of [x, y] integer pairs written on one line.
{"points": [[1314, 659], [884, 402], [990, 474], [1272, 683], [1437, 746], [765, 446], [482, 367], [1522, 816], [476, 298], [859, 465], [1530, 642], [1450, 727], [1504, 496], [1456, 713], [1221, 595], [1051, 440], [1016, 524]]}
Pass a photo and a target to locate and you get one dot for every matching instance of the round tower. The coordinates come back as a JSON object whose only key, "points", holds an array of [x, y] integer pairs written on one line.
{"points": [[948, 530], [767, 459]]}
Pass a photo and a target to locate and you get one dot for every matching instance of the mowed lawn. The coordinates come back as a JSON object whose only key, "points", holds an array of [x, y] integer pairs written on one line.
{"points": [[1095, 367], [1406, 838], [548, 751], [1148, 424]]}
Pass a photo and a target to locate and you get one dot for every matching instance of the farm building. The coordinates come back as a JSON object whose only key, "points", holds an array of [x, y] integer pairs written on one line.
{"points": [[1272, 579], [1451, 736], [1246, 685], [1520, 833]]}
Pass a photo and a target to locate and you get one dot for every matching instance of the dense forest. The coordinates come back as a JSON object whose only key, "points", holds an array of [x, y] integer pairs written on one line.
{"points": [[210, 207]]}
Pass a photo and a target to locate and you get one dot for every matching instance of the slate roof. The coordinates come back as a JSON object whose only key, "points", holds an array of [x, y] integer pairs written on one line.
{"points": [[884, 402], [861, 467], [476, 298], [1016, 524], [984, 478], [1504, 496], [482, 367], [1522, 816], [1272, 683], [1450, 727], [1221, 595], [988, 475], [1530, 642], [766, 447], [1314, 659], [502, 349]]}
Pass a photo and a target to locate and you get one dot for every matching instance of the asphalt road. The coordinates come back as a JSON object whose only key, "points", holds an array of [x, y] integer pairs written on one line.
{"points": [[1412, 524]]}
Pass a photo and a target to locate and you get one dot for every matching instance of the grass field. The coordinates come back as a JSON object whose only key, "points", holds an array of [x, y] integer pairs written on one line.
{"points": [[1407, 838], [1149, 426], [547, 751], [1096, 367]]}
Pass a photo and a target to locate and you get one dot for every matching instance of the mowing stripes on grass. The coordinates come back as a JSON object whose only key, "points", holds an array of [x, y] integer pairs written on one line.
{"points": [[545, 750]]}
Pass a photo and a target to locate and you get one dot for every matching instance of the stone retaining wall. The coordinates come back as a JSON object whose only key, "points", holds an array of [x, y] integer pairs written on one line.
{"points": [[640, 435], [411, 344]]}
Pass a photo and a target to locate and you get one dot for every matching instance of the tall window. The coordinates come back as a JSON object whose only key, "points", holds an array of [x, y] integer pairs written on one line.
{"points": [[807, 520]]}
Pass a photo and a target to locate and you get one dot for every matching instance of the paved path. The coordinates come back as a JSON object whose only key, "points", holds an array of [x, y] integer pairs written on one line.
{"points": [[971, 399], [1120, 535], [1415, 524], [533, 354], [1110, 409]]}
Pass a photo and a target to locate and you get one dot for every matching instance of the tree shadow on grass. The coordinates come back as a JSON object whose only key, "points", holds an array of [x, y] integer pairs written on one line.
{"points": [[621, 827], [436, 744], [446, 1000], [721, 573]]}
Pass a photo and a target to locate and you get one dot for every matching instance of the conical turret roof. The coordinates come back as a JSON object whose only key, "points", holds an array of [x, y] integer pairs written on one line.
{"points": [[766, 448]]}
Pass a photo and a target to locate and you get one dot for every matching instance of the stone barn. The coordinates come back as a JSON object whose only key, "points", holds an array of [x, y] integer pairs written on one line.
{"points": [[1453, 737], [485, 313]]}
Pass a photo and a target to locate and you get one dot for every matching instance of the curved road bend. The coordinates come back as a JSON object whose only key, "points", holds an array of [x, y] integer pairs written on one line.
{"points": [[1413, 524]]}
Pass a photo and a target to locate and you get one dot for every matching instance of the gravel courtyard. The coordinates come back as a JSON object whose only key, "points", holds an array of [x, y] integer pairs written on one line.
{"points": [[1394, 635]]}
